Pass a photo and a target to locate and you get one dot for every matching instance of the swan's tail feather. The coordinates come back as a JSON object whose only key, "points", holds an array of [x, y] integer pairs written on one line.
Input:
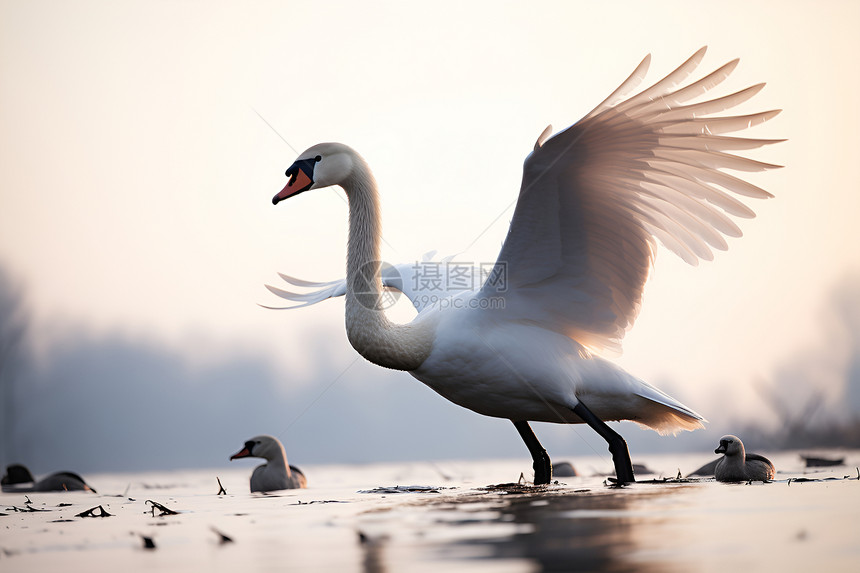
{"points": [[664, 414]]}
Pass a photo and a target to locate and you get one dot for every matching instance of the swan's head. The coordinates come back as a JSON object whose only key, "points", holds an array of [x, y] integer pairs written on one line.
{"points": [[730, 445], [266, 447], [322, 165]]}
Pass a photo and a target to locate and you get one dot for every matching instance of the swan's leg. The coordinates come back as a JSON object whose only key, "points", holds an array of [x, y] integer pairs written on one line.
{"points": [[541, 465], [617, 445]]}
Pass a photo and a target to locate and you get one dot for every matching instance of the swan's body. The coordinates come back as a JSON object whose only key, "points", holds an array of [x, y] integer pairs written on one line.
{"points": [[569, 279], [18, 479], [737, 465], [275, 474]]}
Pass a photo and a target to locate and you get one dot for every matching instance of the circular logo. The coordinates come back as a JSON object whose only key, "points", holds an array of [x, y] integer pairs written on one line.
{"points": [[392, 282]]}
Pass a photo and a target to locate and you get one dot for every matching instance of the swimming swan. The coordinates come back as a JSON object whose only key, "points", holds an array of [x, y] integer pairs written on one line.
{"points": [[569, 279], [737, 465], [275, 474]]}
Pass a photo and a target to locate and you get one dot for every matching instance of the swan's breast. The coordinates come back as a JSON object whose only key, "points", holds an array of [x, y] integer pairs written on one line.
{"points": [[503, 370]]}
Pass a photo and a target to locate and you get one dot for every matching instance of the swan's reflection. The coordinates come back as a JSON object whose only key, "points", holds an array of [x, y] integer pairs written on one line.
{"points": [[545, 530], [556, 531]]}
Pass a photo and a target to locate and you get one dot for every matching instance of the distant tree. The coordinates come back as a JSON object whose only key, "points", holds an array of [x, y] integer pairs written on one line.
{"points": [[846, 312], [13, 326]]}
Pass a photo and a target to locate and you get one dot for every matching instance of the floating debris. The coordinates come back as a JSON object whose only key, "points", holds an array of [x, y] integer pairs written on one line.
{"points": [[221, 490], [148, 542], [222, 538], [28, 509], [513, 488], [404, 489], [92, 512], [365, 539], [808, 480], [163, 509], [817, 462]]}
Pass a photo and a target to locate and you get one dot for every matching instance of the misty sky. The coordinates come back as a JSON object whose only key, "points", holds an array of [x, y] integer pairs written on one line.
{"points": [[137, 231]]}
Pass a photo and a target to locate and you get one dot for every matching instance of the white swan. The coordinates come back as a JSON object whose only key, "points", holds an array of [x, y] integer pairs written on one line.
{"points": [[737, 465], [275, 474], [568, 281]]}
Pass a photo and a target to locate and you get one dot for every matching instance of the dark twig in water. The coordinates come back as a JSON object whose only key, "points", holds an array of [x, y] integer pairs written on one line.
{"points": [[514, 488], [164, 510], [221, 490], [404, 489], [222, 538], [365, 539], [91, 512], [668, 480], [27, 509], [148, 542], [807, 480]]}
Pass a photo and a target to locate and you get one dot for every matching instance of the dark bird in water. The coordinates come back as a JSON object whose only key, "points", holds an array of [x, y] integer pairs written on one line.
{"points": [[737, 465], [18, 479]]}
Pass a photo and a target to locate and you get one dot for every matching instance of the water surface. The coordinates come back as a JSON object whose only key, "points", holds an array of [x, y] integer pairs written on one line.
{"points": [[367, 518]]}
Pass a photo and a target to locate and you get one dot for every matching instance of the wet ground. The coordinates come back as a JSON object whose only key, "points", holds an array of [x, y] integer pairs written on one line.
{"points": [[455, 516]]}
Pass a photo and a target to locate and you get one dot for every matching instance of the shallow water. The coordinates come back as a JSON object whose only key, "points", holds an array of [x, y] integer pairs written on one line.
{"points": [[354, 518]]}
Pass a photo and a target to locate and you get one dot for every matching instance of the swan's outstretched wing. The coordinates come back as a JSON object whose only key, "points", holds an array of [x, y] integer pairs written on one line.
{"points": [[425, 283], [596, 195]]}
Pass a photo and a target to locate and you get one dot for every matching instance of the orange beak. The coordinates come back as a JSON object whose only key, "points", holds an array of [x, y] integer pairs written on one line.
{"points": [[243, 453], [301, 174], [300, 182]]}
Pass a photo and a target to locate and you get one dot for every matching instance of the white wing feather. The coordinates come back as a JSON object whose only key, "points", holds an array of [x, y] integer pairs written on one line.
{"points": [[425, 283], [595, 196]]}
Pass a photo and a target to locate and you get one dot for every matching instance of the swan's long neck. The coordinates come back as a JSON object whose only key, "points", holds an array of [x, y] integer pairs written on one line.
{"points": [[276, 462], [401, 347]]}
